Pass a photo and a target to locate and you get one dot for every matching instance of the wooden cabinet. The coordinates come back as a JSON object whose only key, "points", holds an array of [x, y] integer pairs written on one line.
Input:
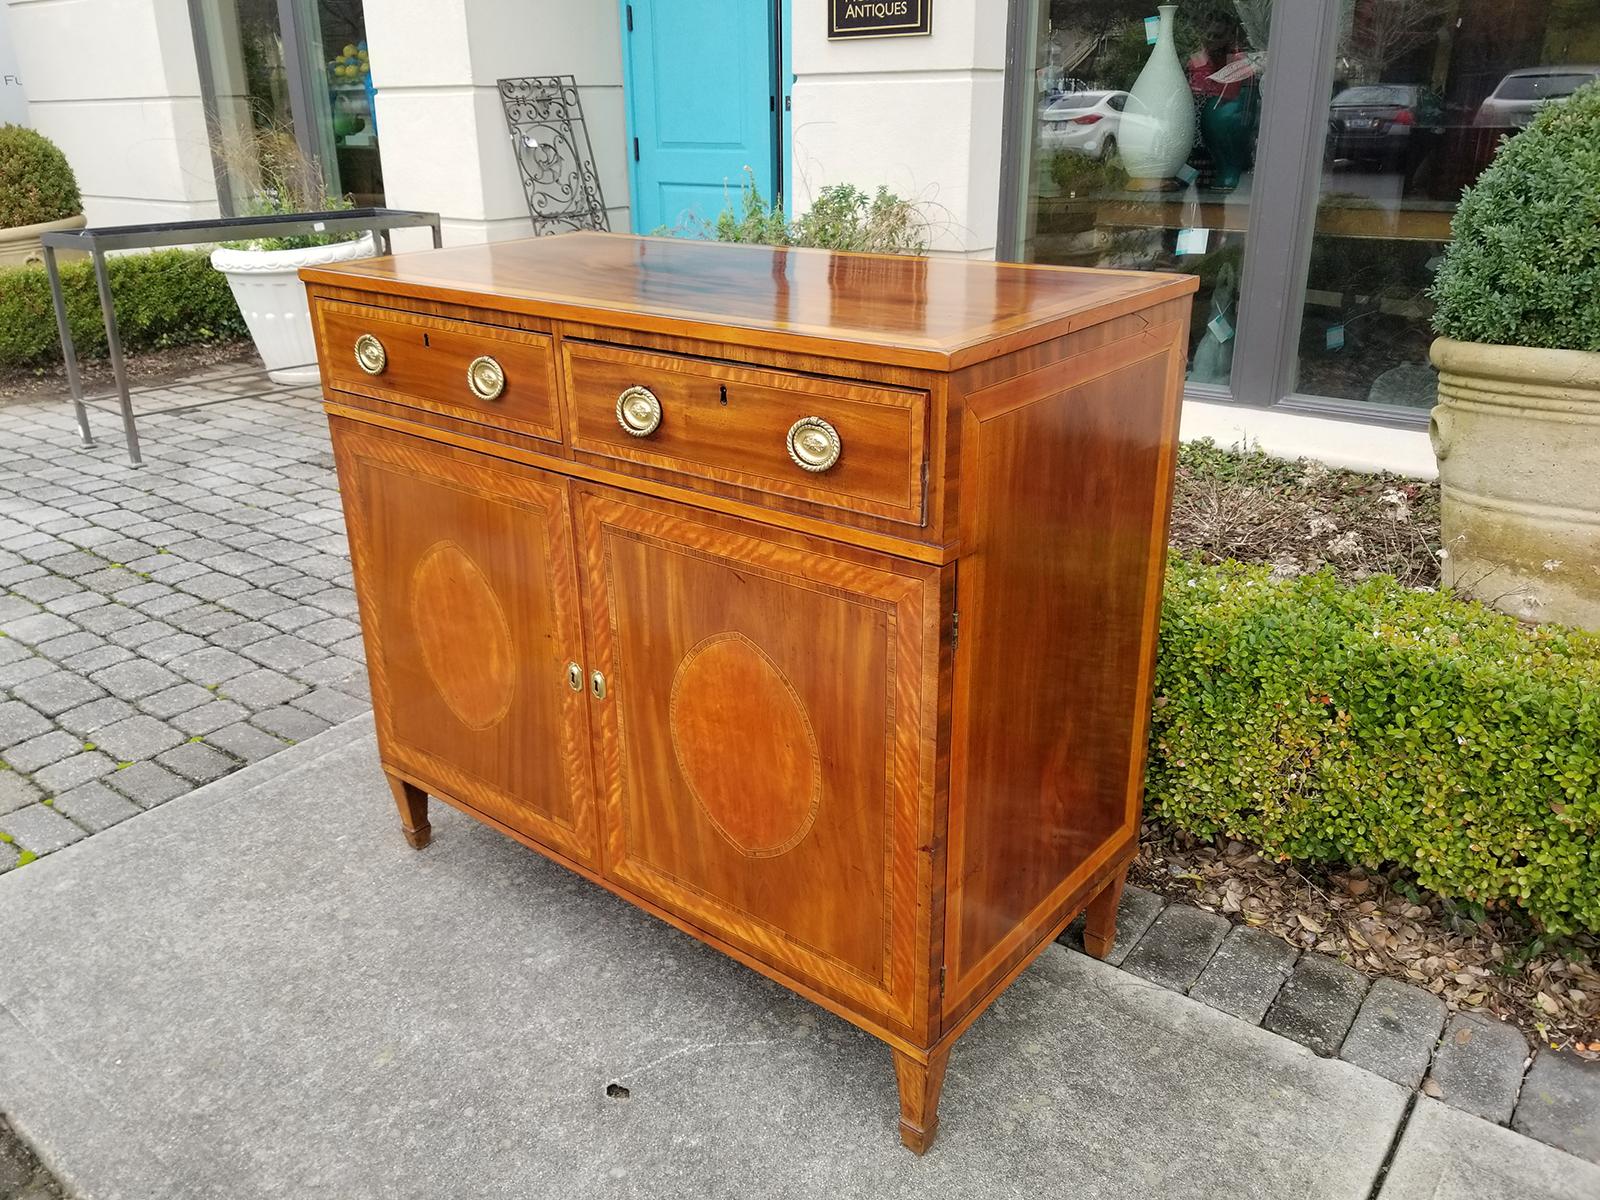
{"points": [[806, 600], [467, 581]]}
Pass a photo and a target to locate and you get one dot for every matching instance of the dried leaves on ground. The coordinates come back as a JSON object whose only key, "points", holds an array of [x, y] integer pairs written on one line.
{"points": [[1382, 924], [1301, 516]]}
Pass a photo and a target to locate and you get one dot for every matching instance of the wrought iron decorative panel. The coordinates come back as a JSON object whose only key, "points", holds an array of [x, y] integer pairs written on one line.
{"points": [[551, 144]]}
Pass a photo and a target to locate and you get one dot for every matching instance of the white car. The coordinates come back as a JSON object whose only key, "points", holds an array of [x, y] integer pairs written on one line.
{"points": [[1523, 93], [1083, 123]]}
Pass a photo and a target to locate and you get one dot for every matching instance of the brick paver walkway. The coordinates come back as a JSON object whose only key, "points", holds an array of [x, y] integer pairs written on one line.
{"points": [[163, 625]]}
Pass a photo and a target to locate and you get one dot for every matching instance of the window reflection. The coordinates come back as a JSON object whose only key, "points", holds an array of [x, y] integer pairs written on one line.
{"points": [[1424, 91], [1140, 147]]}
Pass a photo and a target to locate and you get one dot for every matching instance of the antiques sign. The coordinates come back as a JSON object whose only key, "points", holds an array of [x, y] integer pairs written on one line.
{"points": [[878, 18]]}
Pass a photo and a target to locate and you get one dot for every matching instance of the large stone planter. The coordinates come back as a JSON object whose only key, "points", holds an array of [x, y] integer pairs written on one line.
{"points": [[1517, 433], [266, 284], [21, 247]]}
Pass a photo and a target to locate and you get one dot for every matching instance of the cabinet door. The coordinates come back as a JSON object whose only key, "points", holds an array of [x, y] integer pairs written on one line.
{"points": [[466, 577], [764, 747]]}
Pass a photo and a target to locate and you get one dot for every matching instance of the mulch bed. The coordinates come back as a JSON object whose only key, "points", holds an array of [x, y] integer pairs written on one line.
{"points": [[24, 385], [1302, 517], [1383, 924]]}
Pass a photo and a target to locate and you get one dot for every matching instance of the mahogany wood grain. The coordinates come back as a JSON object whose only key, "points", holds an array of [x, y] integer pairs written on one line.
{"points": [[1100, 918], [716, 638], [467, 581], [730, 423], [876, 733], [426, 367], [412, 802], [920, 1083], [1052, 684], [942, 313]]}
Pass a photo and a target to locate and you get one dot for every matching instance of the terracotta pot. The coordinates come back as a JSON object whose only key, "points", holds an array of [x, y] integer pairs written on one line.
{"points": [[20, 246], [1517, 434], [266, 284]]}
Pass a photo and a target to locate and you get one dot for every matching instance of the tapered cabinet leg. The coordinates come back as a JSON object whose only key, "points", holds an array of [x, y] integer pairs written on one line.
{"points": [[920, 1084], [412, 802], [1100, 918]]}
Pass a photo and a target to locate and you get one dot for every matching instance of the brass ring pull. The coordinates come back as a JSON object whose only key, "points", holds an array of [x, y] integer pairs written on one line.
{"points": [[638, 411], [371, 357], [814, 444], [486, 378]]}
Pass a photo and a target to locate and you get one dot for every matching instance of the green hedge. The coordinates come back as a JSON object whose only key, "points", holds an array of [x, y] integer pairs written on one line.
{"points": [[168, 298], [1372, 724]]}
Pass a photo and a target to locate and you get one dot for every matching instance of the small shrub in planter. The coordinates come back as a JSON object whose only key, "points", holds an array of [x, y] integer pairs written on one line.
{"points": [[36, 183], [842, 217], [37, 189], [1523, 264], [1374, 724], [1517, 429]]}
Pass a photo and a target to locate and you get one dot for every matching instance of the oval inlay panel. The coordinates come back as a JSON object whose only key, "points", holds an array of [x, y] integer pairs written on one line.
{"points": [[745, 746], [465, 637]]}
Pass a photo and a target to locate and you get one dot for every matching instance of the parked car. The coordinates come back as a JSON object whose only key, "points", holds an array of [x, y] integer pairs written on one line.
{"points": [[1374, 122], [1523, 93], [1083, 123]]}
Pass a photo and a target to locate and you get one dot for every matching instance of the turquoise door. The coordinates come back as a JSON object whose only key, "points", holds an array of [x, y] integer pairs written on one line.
{"points": [[702, 107]]}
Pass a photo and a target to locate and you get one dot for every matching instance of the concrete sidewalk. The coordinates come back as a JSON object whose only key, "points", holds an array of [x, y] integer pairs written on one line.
{"points": [[259, 990]]}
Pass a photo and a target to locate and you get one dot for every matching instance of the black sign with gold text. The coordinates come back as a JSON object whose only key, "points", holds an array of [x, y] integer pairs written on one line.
{"points": [[878, 18]]}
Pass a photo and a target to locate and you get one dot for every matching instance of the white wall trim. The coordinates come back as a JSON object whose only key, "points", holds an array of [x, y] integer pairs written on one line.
{"points": [[1350, 444]]}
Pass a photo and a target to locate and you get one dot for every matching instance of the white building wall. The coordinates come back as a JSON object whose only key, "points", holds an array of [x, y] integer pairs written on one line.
{"points": [[13, 99], [442, 131], [921, 115], [114, 84]]}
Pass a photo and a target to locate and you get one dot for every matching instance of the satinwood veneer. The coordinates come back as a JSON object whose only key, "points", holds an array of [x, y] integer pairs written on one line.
{"points": [[807, 600]]}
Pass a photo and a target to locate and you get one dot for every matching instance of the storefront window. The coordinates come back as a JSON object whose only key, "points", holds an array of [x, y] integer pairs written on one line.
{"points": [[1423, 92], [336, 46], [303, 93], [1138, 146]]}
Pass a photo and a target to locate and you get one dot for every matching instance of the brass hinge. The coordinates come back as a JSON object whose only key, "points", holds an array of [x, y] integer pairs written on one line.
{"points": [[630, 18], [942, 971], [955, 631]]}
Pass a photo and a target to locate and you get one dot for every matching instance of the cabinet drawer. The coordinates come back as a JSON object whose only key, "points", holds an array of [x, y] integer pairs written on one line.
{"points": [[732, 424], [424, 362]]}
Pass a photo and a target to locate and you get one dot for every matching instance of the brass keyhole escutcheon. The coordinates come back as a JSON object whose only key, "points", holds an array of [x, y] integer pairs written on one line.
{"points": [[814, 444], [486, 378], [638, 411], [371, 357]]}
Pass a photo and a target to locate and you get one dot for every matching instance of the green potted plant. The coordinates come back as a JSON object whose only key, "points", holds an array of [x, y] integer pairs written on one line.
{"points": [[264, 272], [38, 194], [1517, 427]]}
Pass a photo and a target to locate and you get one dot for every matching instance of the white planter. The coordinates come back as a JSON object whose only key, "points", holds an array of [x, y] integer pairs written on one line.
{"points": [[20, 246], [266, 284], [1156, 131]]}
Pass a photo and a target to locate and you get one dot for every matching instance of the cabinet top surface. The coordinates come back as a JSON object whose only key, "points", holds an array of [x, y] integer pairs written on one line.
{"points": [[939, 312]]}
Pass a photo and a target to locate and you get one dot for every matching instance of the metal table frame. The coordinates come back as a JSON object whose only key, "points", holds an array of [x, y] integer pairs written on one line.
{"points": [[98, 242]]}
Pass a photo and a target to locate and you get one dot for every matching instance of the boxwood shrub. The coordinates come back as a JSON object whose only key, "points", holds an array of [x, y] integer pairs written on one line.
{"points": [[168, 298], [36, 183], [1523, 264], [1373, 724]]}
